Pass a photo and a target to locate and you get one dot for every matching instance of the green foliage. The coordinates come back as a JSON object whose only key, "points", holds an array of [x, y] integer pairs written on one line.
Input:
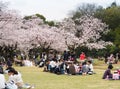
{"points": [[110, 36], [114, 4], [50, 23], [8, 51], [90, 52], [79, 50], [112, 49], [77, 14], [117, 37], [27, 17], [110, 16], [41, 17], [97, 53]]}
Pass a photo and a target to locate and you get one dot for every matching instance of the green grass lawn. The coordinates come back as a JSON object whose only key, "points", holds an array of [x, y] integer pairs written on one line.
{"points": [[45, 80]]}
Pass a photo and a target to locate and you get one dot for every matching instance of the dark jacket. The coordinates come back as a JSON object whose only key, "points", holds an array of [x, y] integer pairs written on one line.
{"points": [[107, 73]]}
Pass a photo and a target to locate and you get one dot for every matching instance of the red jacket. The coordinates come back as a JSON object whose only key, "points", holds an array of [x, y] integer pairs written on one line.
{"points": [[82, 56]]}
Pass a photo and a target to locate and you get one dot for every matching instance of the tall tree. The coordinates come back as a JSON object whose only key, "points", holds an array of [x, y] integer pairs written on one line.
{"points": [[88, 30], [110, 16], [86, 9]]}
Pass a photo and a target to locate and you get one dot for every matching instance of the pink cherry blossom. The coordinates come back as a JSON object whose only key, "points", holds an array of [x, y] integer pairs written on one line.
{"points": [[88, 28], [33, 32]]}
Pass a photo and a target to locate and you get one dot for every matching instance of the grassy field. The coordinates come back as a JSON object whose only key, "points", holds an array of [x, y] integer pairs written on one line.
{"points": [[45, 80]]}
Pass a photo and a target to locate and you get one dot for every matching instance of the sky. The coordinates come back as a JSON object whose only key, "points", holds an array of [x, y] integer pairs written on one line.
{"points": [[52, 9]]}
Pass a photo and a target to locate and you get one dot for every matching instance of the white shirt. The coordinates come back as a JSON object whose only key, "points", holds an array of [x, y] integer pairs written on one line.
{"points": [[91, 67], [53, 64], [28, 63], [16, 78], [2, 81], [76, 68]]}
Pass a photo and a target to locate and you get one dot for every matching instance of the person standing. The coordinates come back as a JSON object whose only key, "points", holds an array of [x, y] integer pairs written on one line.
{"points": [[65, 55]]}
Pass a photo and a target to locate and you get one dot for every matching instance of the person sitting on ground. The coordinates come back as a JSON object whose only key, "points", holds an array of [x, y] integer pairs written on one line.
{"points": [[107, 74], [72, 69], [90, 66], [8, 62], [2, 78], [27, 62], [116, 74], [76, 68], [52, 65], [80, 68], [85, 68], [118, 70], [15, 77], [7, 69]]}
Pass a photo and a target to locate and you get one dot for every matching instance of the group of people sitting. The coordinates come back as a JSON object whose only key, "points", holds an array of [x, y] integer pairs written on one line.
{"points": [[69, 67], [15, 80], [67, 64]]}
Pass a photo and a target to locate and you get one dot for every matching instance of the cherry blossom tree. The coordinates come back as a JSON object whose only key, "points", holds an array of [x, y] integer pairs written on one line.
{"points": [[30, 33], [44, 36], [86, 30]]}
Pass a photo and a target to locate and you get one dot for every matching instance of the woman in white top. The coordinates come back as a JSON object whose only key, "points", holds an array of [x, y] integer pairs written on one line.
{"points": [[15, 77], [2, 81]]}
